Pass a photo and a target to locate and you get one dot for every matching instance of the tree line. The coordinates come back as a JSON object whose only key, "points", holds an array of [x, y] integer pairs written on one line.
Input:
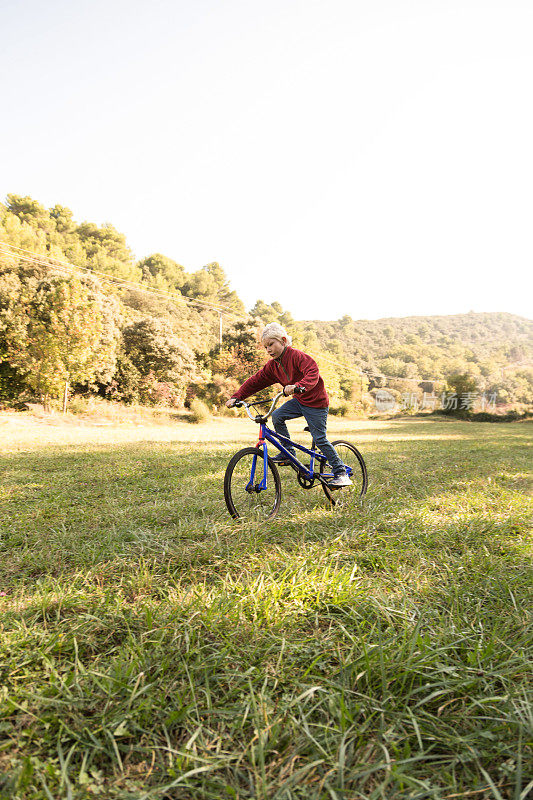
{"points": [[147, 331]]}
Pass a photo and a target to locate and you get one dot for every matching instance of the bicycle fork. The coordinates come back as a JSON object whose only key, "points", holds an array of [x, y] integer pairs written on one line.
{"points": [[261, 443]]}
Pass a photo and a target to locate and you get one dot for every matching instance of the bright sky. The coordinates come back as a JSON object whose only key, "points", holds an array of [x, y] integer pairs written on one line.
{"points": [[362, 157]]}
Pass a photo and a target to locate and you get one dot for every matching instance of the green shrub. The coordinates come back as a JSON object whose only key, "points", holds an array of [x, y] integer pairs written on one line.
{"points": [[340, 408], [78, 405], [511, 416], [199, 411]]}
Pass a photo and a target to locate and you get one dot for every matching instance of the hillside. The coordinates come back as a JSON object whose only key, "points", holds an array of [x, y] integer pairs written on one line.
{"points": [[434, 346], [150, 332]]}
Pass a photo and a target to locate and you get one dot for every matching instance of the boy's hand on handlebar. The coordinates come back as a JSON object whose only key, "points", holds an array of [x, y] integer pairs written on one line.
{"points": [[234, 403], [292, 388]]}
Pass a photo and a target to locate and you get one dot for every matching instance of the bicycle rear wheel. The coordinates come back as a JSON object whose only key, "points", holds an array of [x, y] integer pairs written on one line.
{"points": [[244, 499], [351, 458]]}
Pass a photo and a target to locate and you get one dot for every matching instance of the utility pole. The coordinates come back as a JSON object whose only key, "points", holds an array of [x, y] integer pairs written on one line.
{"points": [[220, 329], [65, 396]]}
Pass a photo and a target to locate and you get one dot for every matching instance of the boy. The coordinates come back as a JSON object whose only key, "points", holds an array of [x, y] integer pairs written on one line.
{"points": [[293, 368]]}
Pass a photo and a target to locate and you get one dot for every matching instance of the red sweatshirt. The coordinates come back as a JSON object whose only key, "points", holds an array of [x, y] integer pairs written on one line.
{"points": [[292, 366]]}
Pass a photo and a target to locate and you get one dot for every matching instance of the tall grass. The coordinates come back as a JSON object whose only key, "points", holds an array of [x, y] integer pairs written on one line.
{"points": [[153, 648]]}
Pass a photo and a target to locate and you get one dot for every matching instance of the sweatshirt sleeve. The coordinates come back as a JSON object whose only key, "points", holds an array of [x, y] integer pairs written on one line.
{"points": [[309, 368], [255, 383]]}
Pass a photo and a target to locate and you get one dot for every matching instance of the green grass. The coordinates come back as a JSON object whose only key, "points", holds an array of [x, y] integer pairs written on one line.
{"points": [[153, 648]]}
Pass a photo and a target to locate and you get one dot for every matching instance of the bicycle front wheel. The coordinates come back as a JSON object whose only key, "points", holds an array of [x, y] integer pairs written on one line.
{"points": [[245, 497]]}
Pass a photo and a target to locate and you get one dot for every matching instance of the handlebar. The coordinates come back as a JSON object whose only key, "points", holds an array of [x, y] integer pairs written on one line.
{"points": [[264, 417]]}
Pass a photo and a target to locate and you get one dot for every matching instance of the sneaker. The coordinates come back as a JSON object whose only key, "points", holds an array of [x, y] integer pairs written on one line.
{"points": [[281, 461], [340, 480]]}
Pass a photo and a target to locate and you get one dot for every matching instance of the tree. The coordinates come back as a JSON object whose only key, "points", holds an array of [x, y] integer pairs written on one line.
{"points": [[12, 335], [271, 313], [31, 212], [155, 365], [465, 388], [201, 285], [105, 250], [264, 312], [63, 328], [211, 285], [513, 387], [63, 219], [242, 339], [162, 272], [394, 367], [225, 296], [240, 356]]}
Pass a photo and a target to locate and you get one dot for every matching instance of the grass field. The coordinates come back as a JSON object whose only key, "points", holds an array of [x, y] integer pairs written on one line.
{"points": [[153, 648]]}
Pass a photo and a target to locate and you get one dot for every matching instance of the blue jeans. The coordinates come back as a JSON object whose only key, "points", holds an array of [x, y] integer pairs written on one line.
{"points": [[316, 419]]}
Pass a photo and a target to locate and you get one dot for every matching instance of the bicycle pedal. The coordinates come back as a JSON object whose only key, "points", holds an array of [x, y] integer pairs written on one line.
{"points": [[332, 488]]}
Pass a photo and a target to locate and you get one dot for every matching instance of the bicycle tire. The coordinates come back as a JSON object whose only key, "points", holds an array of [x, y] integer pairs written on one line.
{"points": [[251, 505], [351, 456]]}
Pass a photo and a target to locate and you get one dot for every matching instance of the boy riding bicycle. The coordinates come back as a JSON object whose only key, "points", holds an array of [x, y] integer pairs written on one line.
{"points": [[294, 370]]}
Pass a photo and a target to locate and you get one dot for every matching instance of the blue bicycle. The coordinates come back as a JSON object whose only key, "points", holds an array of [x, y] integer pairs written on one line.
{"points": [[252, 485]]}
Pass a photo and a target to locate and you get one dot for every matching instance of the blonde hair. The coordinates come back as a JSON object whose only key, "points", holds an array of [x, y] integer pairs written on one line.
{"points": [[275, 331]]}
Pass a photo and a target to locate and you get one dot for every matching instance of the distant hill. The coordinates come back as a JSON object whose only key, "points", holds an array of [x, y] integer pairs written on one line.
{"points": [[431, 347]]}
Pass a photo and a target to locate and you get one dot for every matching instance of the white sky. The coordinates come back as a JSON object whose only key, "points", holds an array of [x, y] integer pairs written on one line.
{"points": [[342, 157]]}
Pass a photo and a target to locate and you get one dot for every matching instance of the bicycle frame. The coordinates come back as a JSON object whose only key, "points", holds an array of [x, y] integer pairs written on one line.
{"points": [[268, 435]]}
